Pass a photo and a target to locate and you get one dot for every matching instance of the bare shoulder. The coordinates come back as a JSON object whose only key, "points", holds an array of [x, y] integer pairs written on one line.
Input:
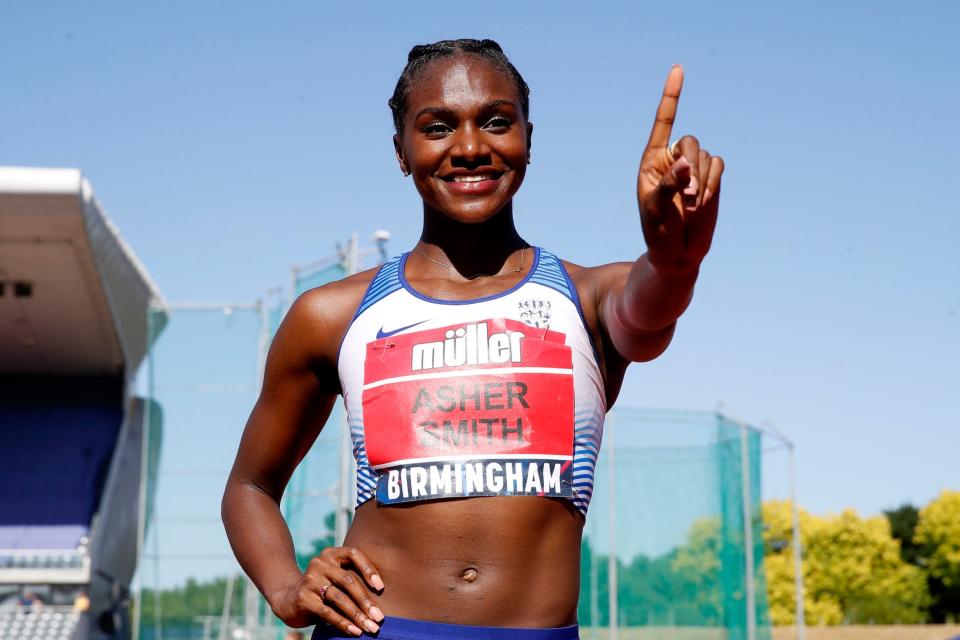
{"points": [[319, 318], [592, 282]]}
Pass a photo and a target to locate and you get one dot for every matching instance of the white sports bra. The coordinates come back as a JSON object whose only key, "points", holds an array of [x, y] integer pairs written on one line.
{"points": [[499, 395]]}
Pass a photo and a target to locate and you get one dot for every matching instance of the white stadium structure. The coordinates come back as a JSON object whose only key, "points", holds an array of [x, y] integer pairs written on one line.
{"points": [[74, 303]]}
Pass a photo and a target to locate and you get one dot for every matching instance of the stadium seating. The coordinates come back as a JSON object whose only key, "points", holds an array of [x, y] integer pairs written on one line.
{"points": [[53, 465], [50, 623]]}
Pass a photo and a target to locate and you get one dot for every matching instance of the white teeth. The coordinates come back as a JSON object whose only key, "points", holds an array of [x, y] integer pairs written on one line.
{"points": [[471, 178]]}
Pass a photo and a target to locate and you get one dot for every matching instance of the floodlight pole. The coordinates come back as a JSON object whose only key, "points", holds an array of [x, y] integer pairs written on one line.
{"points": [[251, 596], [351, 264], [350, 258]]}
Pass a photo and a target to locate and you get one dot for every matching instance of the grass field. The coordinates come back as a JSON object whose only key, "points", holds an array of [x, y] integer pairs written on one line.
{"points": [[846, 632], [873, 632], [655, 633]]}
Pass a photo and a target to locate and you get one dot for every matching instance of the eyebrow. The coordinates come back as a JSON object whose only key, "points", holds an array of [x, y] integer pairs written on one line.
{"points": [[442, 110]]}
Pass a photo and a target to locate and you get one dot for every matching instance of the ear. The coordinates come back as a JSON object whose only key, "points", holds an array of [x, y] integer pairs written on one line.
{"points": [[398, 149], [529, 140]]}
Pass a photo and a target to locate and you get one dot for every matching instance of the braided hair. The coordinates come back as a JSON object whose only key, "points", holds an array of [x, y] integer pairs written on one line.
{"points": [[422, 55]]}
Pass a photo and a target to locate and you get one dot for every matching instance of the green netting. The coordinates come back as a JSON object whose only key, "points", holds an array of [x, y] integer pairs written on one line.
{"points": [[316, 504], [203, 372], [315, 497], [665, 531], [309, 278], [154, 445], [665, 535]]}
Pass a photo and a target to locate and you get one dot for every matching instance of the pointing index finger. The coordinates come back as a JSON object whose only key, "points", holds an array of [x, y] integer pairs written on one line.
{"points": [[667, 110]]}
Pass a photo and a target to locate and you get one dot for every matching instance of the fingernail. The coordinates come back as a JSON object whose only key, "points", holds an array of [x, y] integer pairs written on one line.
{"points": [[355, 630], [371, 626], [377, 582], [693, 187], [376, 614], [706, 194]]}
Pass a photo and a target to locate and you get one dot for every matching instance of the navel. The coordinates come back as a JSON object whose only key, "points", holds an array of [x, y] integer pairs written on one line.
{"points": [[470, 575]]}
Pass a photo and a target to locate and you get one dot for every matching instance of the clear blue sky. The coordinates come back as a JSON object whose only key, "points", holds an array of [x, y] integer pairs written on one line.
{"points": [[229, 141]]}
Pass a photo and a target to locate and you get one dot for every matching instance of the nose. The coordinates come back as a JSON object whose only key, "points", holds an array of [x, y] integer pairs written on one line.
{"points": [[470, 148]]}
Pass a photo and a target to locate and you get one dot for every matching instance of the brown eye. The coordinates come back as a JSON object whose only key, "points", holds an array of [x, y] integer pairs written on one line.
{"points": [[498, 122], [436, 128]]}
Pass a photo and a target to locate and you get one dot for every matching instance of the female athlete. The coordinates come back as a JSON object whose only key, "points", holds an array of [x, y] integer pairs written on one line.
{"points": [[475, 370]]}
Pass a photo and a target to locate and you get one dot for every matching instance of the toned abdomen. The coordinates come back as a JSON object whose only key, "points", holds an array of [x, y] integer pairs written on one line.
{"points": [[493, 561]]}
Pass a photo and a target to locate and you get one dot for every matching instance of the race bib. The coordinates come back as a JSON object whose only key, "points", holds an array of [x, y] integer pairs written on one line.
{"points": [[471, 409]]}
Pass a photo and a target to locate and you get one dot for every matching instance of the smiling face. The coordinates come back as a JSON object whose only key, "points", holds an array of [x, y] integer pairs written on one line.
{"points": [[465, 140]]}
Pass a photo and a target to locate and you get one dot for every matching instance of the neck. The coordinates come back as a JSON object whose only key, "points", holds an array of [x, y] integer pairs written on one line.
{"points": [[480, 248]]}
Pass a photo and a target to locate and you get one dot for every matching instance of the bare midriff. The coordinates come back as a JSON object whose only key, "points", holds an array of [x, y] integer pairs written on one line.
{"points": [[492, 561]]}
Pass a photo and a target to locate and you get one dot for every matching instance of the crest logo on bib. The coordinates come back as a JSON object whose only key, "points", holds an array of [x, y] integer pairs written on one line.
{"points": [[535, 313]]}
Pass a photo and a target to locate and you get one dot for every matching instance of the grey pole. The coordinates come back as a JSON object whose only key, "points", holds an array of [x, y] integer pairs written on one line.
{"points": [[343, 483], [351, 265], [797, 549], [144, 460], [225, 614], [799, 619], [594, 596], [251, 596], [771, 430], [748, 535], [613, 623]]}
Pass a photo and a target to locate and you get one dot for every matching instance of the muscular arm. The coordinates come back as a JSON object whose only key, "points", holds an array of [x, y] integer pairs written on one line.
{"points": [[639, 306], [299, 389], [678, 193]]}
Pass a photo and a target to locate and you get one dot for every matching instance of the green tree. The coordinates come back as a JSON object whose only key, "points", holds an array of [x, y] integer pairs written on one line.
{"points": [[584, 615], [696, 568], [648, 591], [903, 524], [778, 562], [939, 529], [180, 607], [318, 545], [852, 570], [937, 537]]}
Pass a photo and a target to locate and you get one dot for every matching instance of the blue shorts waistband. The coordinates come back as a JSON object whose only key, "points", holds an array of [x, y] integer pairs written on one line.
{"points": [[393, 628]]}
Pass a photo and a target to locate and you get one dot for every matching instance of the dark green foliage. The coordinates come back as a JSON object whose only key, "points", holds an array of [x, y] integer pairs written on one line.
{"points": [[650, 591], [946, 600], [180, 607], [903, 523], [183, 607], [303, 558]]}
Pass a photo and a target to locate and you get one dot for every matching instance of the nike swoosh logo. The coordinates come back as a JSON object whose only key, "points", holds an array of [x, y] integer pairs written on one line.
{"points": [[386, 334]]}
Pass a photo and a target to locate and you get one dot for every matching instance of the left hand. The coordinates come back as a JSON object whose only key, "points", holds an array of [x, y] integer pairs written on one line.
{"points": [[678, 190]]}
